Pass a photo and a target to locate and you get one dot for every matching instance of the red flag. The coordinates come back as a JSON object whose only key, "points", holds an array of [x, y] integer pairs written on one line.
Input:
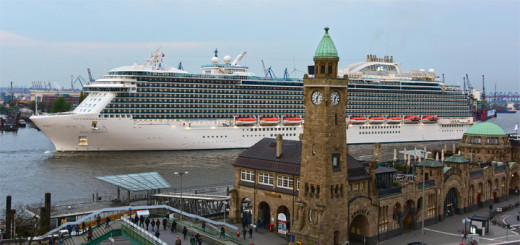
{"points": [[162, 54]]}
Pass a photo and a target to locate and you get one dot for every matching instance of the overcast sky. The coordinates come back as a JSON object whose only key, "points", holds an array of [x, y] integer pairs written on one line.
{"points": [[52, 40]]}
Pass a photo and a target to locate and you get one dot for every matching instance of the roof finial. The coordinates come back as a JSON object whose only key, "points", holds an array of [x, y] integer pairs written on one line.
{"points": [[326, 29]]}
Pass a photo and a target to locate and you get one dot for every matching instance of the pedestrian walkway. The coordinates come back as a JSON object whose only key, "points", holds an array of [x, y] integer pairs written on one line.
{"points": [[450, 230]]}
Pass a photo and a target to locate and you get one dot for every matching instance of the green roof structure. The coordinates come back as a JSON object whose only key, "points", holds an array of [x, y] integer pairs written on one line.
{"points": [[486, 129], [511, 164], [456, 158], [446, 169], [430, 163], [326, 48]]}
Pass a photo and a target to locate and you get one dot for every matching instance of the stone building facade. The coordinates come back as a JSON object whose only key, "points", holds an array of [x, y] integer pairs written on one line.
{"points": [[314, 189]]}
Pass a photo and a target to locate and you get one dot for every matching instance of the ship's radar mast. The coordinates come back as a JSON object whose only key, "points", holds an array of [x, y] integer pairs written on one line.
{"points": [[238, 59]]}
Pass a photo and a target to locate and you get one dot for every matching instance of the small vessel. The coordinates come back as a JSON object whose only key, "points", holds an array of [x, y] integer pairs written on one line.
{"points": [[430, 119], [269, 121], [376, 120], [393, 120], [358, 120], [22, 123], [510, 108], [412, 119], [292, 120], [249, 121]]}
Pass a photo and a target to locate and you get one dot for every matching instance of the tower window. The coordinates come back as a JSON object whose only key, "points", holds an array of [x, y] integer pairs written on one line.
{"points": [[330, 69], [313, 150], [335, 162], [322, 69]]}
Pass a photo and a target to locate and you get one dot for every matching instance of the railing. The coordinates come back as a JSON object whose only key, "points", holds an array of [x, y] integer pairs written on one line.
{"points": [[139, 234], [427, 184], [389, 191], [500, 169], [476, 173]]}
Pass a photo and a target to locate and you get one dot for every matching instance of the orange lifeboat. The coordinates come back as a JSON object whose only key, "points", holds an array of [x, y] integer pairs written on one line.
{"points": [[358, 120], [292, 120], [412, 119], [393, 120], [376, 120], [269, 121], [430, 119], [249, 121]]}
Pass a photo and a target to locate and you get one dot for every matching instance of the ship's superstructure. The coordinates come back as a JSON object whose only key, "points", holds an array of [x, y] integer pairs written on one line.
{"points": [[156, 107]]}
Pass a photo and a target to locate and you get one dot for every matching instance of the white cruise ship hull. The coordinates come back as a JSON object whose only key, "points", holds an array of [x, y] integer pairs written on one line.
{"points": [[75, 132]]}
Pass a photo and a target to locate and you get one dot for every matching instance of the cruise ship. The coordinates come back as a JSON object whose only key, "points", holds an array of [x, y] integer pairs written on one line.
{"points": [[152, 106]]}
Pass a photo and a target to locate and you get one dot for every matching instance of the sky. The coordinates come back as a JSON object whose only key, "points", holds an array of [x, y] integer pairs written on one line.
{"points": [[55, 39]]}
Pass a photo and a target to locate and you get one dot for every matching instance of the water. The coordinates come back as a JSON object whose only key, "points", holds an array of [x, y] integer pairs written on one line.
{"points": [[29, 166]]}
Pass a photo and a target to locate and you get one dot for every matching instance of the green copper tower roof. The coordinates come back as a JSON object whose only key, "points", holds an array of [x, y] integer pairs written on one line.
{"points": [[430, 163], [326, 48], [456, 158], [486, 128]]}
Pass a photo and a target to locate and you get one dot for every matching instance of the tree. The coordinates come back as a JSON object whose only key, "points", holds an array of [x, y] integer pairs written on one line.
{"points": [[26, 223], [82, 96], [60, 105]]}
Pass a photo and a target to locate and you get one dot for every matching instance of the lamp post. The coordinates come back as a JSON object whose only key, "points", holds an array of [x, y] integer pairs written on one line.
{"points": [[182, 201], [423, 207]]}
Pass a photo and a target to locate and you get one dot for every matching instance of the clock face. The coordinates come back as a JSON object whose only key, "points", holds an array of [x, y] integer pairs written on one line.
{"points": [[316, 97], [334, 98]]}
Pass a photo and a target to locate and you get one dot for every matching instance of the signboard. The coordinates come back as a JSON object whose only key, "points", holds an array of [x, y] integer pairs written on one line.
{"points": [[143, 213], [282, 223]]}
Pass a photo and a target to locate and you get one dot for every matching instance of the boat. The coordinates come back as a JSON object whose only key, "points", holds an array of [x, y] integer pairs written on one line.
{"points": [[430, 119], [391, 120], [412, 119], [376, 120], [358, 120], [269, 121], [153, 106], [245, 121], [510, 108], [292, 121], [21, 123]]}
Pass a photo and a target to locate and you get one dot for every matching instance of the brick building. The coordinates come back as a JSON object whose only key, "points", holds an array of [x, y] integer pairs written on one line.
{"points": [[321, 194]]}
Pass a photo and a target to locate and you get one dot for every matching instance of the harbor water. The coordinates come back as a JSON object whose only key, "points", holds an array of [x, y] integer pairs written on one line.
{"points": [[29, 165]]}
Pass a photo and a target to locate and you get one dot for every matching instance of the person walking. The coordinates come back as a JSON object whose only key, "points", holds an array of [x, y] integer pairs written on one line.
{"points": [[147, 222], [192, 240], [77, 229], [157, 233], [197, 237], [244, 232], [158, 224], [164, 223], [89, 234], [251, 232], [83, 227], [178, 241], [108, 222], [153, 224], [174, 226], [141, 221], [185, 232], [222, 232], [204, 226], [136, 219], [98, 220], [69, 229]]}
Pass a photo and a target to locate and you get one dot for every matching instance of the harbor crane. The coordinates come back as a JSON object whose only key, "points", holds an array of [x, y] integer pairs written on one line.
{"points": [[91, 80]]}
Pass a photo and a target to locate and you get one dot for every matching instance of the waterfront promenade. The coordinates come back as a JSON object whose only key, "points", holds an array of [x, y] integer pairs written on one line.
{"points": [[449, 231]]}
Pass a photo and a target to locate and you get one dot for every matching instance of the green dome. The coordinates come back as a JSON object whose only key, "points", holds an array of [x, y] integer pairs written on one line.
{"points": [[430, 163], [486, 128], [326, 48]]}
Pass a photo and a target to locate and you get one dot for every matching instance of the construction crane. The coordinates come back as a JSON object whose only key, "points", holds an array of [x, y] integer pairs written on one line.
{"points": [[80, 80], [89, 76], [265, 70]]}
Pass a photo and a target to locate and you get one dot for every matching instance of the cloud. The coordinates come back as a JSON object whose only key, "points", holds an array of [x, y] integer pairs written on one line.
{"points": [[8, 39]]}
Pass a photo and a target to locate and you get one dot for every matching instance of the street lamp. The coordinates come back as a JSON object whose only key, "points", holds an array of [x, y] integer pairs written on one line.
{"points": [[182, 201]]}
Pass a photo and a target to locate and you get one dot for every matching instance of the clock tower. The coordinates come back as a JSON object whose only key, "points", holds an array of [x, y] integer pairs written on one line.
{"points": [[322, 203]]}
